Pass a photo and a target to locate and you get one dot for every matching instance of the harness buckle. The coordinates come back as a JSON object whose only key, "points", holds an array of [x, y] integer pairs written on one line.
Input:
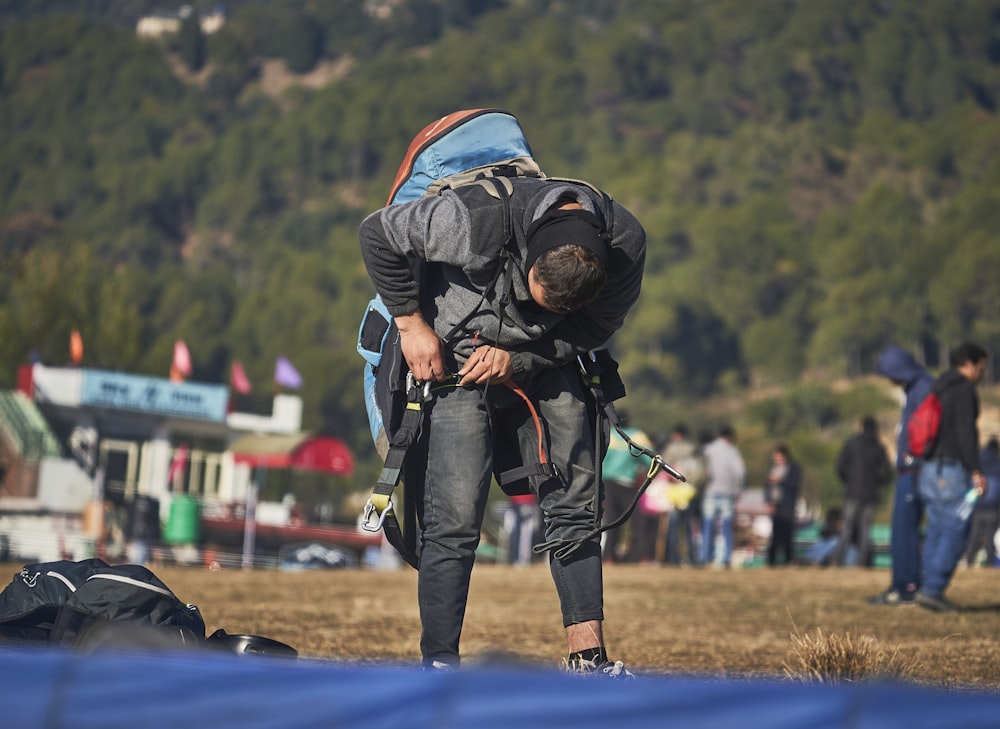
{"points": [[417, 391], [588, 364], [370, 513]]}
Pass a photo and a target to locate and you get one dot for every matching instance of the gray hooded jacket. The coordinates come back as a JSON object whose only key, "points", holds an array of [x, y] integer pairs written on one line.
{"points": [[440, 253]]}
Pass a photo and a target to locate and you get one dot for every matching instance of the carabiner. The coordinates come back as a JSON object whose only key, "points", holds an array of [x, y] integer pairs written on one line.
{"points": [[417, 391], [366, 517]]}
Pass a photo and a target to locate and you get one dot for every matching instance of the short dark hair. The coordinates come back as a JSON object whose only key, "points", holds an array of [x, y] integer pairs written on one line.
{"points": [[571, 277], [967, 352]]}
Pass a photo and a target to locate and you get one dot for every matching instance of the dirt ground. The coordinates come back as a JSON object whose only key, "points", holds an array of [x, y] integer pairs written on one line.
{"points": [[659, 620]]}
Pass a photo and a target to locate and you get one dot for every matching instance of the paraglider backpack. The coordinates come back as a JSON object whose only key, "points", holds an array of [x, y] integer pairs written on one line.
{"points": [[60, 602], [485, 147], [90, 604]]}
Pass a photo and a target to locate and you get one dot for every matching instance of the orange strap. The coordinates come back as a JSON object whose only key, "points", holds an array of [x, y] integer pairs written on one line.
{"points": [[542, 457]]}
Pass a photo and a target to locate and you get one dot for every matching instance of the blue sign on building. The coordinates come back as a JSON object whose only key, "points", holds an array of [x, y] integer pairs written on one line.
{"points": [[154, 395]]}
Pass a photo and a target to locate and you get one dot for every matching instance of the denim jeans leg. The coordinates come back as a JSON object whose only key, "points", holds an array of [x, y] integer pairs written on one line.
{"points": [[942, 488], [866, 518], [456, 484], [907, 511], [727, 540], [674, 520], [570, 503], [708, 532], [694, 546]]}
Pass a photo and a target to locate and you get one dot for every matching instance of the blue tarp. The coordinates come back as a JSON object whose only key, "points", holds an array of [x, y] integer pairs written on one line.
{"points": [[53, 689]]}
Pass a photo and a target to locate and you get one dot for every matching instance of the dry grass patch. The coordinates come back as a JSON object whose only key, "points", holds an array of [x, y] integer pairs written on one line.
{"points": [[833, 658]]}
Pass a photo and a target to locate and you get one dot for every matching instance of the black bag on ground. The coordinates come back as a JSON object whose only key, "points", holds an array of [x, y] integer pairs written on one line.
{"points": [[64, 602], [91, 605]]}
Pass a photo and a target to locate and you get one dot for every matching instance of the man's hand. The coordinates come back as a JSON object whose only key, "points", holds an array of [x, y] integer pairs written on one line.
{"points": [[485, 365], [979, 483], [421, 347]]}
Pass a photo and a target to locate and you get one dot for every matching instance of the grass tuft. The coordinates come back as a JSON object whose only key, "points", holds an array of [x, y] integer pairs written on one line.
{"points": [[832, 659]]}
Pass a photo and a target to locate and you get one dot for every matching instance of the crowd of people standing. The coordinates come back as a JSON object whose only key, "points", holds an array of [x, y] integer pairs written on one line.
{"points": [[945, 506]]}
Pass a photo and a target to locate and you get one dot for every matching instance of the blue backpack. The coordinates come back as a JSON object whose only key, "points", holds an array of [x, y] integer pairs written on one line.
{"points": [[466, 147]]}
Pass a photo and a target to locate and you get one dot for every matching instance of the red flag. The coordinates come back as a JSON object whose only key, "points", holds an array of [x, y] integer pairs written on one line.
{"points": [[177, 464], [75, 347], [238, 378], [182, 361]]}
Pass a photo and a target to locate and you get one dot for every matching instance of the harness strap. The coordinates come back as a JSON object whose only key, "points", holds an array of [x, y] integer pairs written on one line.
{"points": [[380, 510], [514, 475]]}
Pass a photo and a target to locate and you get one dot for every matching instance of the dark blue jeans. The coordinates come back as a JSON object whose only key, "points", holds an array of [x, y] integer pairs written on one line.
{"points": [[457, 452], [682, 519], [907, 511], [942, 487]]}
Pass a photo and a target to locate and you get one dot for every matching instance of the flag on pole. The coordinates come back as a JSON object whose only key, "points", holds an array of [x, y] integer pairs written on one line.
{"points": [[238, 378], [286, 375], [75, 347], [180, 368], [177, 463]]}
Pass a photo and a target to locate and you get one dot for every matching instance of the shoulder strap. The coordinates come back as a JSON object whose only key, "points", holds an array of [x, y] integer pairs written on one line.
{"points": [[501, 189]]}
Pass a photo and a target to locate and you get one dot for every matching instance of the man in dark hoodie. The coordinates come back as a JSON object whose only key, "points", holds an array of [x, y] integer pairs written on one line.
{"points": [[863, 468], [902, 369], [951, 470]]}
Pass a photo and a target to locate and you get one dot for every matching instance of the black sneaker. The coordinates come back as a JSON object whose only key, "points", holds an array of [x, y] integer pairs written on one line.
{"points": [[937, 603], [893, 597], [610, 669]]}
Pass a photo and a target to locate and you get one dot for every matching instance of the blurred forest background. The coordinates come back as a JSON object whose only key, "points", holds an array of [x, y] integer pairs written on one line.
{"points": [[817, 180]]}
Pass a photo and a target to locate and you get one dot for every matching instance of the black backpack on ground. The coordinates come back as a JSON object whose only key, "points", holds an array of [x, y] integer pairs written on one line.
{"points": [[65, 603], [91, 605]]}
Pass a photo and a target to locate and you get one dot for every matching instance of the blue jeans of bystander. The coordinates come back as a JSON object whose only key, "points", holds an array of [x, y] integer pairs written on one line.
{"points": [[942, 486], [907, 511], [717, 508]]}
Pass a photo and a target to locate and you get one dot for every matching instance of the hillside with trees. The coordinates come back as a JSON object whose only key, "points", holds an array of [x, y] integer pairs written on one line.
{"points": [[817, 180]]}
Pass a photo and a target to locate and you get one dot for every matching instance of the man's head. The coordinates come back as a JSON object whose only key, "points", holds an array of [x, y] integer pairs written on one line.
{"points": [[970, 360], [566, 259]]}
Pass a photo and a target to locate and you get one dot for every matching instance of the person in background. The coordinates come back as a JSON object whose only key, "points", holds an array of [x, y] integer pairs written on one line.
{"points": [[726, 478], [685, 455], [902, 369], [784, 481], [950, 472], [985, 517], [621, 472], [863, 468], [521, 523], [822, 550]]}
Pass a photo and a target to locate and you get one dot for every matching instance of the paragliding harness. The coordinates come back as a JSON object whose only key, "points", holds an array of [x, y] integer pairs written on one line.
{"points": [[484, 147]]}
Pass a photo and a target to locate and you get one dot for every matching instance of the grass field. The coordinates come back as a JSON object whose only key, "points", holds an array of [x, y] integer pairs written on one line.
{"points": [[735, 624]]}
